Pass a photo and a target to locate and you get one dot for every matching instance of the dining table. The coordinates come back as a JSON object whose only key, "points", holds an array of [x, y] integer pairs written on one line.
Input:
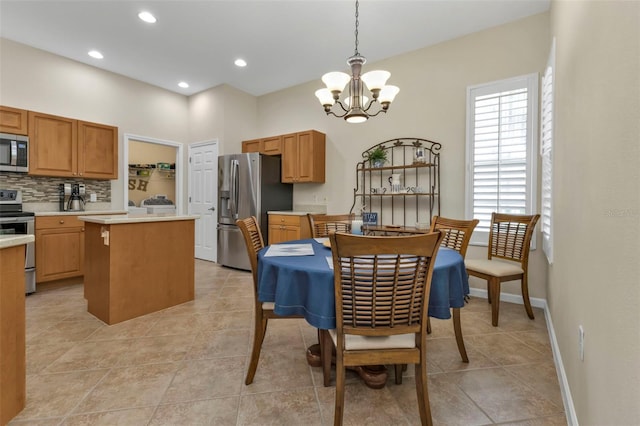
{"points": [[297, 276]]}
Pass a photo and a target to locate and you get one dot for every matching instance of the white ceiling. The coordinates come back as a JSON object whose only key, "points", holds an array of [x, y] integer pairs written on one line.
{"points": [[284, 42]]}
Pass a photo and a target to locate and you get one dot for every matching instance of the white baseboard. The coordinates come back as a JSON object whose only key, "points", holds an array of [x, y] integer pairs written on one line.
{"points": [[570, 411], [511, 298]]}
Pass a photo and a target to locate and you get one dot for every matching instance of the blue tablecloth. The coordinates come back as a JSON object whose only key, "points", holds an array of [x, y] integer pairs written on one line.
{"points": [[303, 285]]}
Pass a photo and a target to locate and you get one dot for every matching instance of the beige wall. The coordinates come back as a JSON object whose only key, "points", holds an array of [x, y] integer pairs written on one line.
{"points": [[595, 278], [36, 80], [223, 113], [431, 105]]}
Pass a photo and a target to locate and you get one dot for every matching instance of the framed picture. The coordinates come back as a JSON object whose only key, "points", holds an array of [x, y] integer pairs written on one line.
{"points": [[370, 218]]}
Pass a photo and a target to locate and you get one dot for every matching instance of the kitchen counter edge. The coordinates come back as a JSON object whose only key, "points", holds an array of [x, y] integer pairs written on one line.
{"points": [[290, 213], [130, 218], [7, 241], [82, 213]]}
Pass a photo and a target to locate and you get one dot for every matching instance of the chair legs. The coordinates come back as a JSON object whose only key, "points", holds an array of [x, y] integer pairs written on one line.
{"points": [[260, 329], [457, 328], [422, 392], [525, 296], [494, 294], [494, 298], [339, 407], [326, 351]]}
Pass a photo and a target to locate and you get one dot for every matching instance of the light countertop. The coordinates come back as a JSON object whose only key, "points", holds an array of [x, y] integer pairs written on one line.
{"points": [[291, 213], [7, 241], [132, 218], [83, 213]]}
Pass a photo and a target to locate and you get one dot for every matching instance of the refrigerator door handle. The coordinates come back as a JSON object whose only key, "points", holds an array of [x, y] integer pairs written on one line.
{"points": [[233, 186]]}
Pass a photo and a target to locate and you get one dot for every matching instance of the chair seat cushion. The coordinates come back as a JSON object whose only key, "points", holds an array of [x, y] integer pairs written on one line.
{"points": [[496, 268], [268, 306], [397, 341]]}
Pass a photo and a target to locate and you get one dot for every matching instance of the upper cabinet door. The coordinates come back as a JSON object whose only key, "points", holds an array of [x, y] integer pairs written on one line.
{"points": [[97, 151], [272, 145], [254, 145], [290, 158], [13, 120], [53, 145], [311, 153]]}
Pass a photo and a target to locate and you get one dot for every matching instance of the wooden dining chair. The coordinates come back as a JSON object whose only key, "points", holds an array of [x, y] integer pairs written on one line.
{"points": [[457, 234], [322, 224], [382, 287], [263, 310], [509, 239]]}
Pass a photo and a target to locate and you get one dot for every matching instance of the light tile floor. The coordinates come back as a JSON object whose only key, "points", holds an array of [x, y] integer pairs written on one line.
{"points": [[186, 366]]}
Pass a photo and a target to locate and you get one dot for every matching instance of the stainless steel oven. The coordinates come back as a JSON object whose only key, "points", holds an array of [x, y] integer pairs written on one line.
{"points": [[14, 221]]}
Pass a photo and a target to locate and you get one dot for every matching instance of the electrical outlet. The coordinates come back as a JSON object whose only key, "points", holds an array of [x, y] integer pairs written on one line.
{"points": [[581, 342]]}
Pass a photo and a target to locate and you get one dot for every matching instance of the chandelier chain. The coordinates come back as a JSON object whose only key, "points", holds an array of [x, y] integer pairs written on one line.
{"points": [[357, 23]]}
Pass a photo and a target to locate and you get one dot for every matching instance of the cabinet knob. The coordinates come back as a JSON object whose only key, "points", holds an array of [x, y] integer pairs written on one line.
{"points": [[61, 221]]}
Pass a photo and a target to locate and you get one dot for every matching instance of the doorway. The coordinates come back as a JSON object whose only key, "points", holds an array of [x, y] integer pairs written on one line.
{"points": [[203, 196], [146, 175]]}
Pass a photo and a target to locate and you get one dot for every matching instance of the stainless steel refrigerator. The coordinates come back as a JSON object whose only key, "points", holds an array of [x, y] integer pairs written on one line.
{"points": [[248, 185]]}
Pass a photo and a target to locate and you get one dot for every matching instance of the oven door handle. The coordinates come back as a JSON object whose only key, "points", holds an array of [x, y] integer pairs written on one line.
{"points": [[10, 219]]}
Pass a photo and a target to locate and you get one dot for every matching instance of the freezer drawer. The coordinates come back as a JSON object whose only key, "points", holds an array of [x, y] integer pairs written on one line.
{"points": [[232, 251]]}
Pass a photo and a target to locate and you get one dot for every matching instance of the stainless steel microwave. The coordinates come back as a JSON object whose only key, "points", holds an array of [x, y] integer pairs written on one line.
{"points": [[14, 153]]}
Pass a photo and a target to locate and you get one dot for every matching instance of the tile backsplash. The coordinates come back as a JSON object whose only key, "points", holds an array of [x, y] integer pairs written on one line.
{"points": [[44, 189]]}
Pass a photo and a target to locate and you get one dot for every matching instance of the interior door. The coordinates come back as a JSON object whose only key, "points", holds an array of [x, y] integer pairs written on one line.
{"points": [[203, 196]]}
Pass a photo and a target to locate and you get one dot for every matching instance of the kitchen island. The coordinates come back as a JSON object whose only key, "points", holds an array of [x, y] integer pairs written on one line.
{"points": [[137, 264], [12, 325]]}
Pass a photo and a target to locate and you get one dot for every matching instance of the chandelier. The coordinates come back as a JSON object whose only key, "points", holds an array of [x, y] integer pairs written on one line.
{"points": [[356, 106]]}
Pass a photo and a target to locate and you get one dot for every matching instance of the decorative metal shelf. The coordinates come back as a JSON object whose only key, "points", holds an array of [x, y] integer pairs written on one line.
{"points": [[409, 166], [401, 194], [417, 161]]}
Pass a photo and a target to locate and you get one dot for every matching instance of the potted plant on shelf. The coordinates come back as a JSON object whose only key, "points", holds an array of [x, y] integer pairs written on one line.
{"points": [[378, 157]]}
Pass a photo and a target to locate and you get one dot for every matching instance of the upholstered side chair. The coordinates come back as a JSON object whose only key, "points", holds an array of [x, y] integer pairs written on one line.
{"points": [[382, 287], [456, 236], [507, 258], [263, 311], [322, 224]]}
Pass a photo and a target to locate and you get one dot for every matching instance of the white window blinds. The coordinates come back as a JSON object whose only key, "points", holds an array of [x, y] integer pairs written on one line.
{"points": [[500, 149], [546, 154]]}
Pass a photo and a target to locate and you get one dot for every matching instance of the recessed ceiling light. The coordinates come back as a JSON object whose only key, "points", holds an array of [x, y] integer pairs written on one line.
{"points": [[147, 17], [240, 63], [95, 54], [183, 84]]}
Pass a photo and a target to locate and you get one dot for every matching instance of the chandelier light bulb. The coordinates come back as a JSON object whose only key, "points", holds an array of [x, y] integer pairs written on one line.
{"points": [[387, 94], [375, 80], [325, 96], [336, 81]]}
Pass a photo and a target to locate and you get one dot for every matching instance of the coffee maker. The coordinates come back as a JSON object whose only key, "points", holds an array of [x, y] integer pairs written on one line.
{"points": [[64, 196], [71, 197]]}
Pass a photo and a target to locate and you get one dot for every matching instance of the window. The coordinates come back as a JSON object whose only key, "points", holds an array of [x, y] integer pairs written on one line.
{"points": [[501, 150], [546, 155]]}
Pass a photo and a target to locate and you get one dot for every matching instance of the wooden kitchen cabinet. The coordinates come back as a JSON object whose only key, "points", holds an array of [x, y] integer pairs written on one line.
{"points": [[303, 157], [287, 227], [59, 247], [269, 146], [253, 145], [13, 120], [60, 146], [97, 150], [272, 145]]}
